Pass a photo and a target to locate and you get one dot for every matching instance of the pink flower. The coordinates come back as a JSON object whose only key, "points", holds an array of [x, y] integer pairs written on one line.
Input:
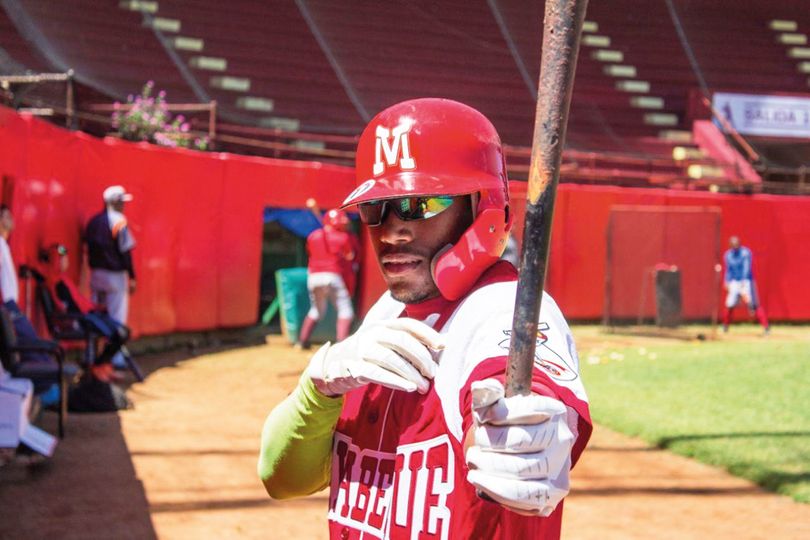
{"points": [[163, 140]]}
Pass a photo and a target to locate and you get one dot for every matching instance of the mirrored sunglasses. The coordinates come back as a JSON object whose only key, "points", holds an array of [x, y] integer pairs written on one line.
{"points": [[406, 208]]}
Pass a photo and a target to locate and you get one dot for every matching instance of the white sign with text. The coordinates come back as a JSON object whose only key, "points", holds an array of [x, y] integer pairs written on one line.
{"points": [[767, 116]]}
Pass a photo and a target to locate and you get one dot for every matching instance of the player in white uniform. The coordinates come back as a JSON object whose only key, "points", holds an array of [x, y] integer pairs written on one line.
{"points": [[406, 419]]}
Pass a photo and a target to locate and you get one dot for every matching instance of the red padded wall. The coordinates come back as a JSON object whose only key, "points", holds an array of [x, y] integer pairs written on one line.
{"points": [[197, 218], [776, 228]]}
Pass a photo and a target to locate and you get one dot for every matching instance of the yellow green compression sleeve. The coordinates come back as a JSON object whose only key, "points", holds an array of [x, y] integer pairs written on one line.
{"points": [[296, 452]]}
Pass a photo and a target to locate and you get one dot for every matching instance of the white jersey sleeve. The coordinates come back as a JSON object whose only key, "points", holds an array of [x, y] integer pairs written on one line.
{"points": [[480, 330], [478, 334]]}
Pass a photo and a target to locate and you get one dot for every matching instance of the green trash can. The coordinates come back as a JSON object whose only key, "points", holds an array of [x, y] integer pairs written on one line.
{"points": [[291, 284]]}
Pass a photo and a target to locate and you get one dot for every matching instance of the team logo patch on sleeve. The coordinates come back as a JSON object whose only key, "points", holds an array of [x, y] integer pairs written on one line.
{"points": [[545, 357]]}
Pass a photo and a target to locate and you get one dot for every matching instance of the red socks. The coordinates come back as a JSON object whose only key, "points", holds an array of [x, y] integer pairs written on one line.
{"points": [[763, 319], [344, 326], [306, 330], [760, 314]]}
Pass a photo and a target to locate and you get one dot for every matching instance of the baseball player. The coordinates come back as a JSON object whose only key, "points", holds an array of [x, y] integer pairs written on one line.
{"points": [[406, 419], [739, 284], [331, 269]]}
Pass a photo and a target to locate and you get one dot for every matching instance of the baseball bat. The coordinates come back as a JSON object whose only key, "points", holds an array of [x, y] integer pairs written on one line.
{"points": [[562, 26], [312, 205]]}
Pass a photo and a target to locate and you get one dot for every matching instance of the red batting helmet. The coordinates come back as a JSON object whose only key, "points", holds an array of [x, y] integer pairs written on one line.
{"points": [[337, 219], [440, 147]]}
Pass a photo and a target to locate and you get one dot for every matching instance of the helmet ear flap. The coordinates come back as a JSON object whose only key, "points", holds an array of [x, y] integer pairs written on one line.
{"points": [[456, 268], [436, 258]]}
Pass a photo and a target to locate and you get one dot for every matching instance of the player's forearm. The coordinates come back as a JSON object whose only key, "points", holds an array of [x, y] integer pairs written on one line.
{"points": [[296, 449]]}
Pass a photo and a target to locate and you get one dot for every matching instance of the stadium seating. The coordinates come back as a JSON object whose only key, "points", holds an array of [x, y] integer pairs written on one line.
{"points": [[326, 67]]}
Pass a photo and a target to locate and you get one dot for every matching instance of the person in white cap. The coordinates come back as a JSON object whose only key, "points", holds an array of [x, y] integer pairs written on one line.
{"points": [[109, 246]]}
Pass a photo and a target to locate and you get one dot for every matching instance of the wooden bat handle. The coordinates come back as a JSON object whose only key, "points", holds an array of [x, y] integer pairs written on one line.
{"points": [[562, 26], [312, 205]]}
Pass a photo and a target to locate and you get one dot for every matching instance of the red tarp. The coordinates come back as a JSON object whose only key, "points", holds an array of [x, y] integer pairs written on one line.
{"points": [[197, 217], [776, 228]]}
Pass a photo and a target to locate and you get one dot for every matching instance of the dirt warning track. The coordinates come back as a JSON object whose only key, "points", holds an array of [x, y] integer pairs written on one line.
{"points": [[182, 464]]}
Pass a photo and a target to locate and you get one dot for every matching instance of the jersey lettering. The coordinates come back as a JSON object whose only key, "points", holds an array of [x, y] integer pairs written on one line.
{"points": [[402, 495], [392, 149]]}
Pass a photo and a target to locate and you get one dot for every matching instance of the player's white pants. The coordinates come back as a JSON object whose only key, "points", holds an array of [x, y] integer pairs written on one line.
{"points": [[741, 289], [325, 286], [111, 289]]}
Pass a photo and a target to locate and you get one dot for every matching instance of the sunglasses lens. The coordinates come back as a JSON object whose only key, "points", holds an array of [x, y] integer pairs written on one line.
{"points": [[406, 208], [414, 208], [434, 205], [371, 212]]}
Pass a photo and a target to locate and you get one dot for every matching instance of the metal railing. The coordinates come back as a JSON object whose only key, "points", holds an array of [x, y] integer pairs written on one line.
{"points": [[7, 81], [605, 168]]}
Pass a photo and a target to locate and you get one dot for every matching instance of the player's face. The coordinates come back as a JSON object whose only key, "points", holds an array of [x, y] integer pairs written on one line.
{"points": [[405, 249]]}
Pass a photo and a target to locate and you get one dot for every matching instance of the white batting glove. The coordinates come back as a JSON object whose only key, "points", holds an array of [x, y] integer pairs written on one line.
{"points": [[392, 353], [521, 455]]}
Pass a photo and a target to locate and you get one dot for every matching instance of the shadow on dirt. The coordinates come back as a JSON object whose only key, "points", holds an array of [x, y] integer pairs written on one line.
{"points": [[90, 488]]}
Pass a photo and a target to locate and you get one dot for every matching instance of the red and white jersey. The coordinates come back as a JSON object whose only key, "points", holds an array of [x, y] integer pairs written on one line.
{"points": [[398, 468], [331, 250]]}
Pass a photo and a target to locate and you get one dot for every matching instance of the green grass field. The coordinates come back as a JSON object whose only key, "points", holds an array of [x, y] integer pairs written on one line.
{"points": [[741, 403]]}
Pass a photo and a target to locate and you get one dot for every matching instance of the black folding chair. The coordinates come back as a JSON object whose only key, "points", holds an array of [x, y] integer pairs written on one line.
{"points": [[96, 324], [69, 329], [71, 324], [37, 372]]}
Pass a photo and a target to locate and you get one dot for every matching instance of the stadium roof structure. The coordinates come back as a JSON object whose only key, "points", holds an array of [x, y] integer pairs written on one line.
{"points": [[319, 66]]}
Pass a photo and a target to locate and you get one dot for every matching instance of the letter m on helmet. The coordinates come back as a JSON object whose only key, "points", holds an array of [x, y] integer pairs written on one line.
{"points": [[393, 145]]}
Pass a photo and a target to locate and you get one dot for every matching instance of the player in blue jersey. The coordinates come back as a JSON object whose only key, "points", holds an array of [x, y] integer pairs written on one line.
{"points": [[739, 283]]}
